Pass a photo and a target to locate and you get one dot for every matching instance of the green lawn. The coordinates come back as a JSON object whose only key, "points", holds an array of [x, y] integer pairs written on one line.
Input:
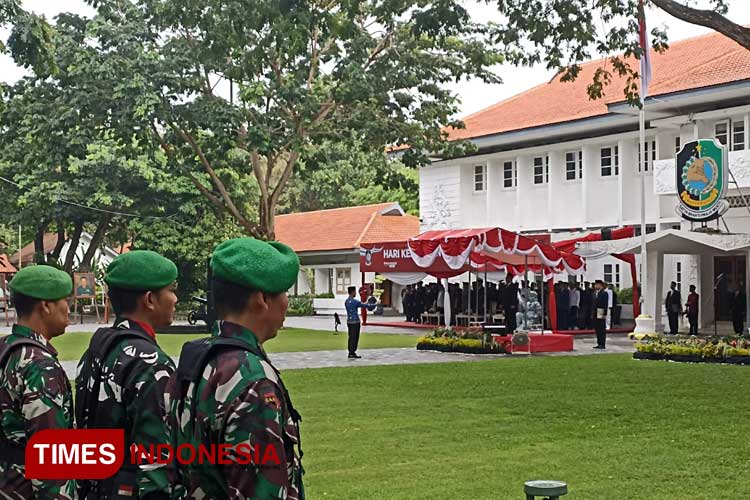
{"points": [[612, 427], [72, 345]]}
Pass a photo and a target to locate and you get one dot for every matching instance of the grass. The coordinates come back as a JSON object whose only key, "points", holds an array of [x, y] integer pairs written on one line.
{"points": [[72, 345], [611, 427]]}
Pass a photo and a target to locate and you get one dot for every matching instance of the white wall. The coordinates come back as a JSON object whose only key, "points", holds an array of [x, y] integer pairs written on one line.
{"points": [[440, 197]]}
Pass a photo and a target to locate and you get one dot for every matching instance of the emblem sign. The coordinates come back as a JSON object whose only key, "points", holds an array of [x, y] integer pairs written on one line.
{"points": [[701, 180]]}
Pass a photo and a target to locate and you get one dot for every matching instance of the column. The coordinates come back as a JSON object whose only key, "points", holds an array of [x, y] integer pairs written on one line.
{"points": [[706, 291], [621, 148], [556, 178], [590, 159], [628, 153], [524, 175], [489, 216], [747, 130], [654, 287], [747, 283]]}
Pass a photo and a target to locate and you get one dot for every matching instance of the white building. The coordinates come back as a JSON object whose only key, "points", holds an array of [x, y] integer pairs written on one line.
{"points": [[328, 242], [551, 160]]}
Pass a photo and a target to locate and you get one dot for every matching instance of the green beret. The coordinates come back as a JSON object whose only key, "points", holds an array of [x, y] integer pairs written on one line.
{"points": [[42, 282], [140, 270], [270, 267]]}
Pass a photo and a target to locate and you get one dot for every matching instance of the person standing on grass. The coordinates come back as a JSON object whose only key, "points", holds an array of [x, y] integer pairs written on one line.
{"points": [[691, 310], [123, 374], [227, 393], [352, 320], [601, 307], [673, 304], [35, 394]]}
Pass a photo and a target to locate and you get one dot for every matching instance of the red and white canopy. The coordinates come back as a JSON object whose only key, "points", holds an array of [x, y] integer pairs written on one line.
{"points": [[460, 247]]}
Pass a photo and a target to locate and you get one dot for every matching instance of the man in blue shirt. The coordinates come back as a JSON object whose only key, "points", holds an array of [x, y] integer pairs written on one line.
{"points": [[352, 320]]}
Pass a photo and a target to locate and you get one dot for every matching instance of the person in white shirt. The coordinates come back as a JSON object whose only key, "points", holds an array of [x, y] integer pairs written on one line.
{"points": [[610, 304]]}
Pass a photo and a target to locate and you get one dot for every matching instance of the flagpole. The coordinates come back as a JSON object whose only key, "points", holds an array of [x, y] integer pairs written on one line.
{"points": [[642, 167]]}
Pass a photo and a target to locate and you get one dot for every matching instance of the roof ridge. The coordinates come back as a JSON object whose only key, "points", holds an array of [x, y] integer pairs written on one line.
{"points": [[359, 239], [384, 204]]}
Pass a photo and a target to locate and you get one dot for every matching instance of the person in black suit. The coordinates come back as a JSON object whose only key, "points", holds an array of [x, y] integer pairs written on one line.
{"points": [[737, 307], [601, 306], [510, 304], [587, 305], [673, 304]]}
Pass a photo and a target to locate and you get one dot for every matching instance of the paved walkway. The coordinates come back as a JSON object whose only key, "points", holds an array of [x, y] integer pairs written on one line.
{"points": [[405, 356]]}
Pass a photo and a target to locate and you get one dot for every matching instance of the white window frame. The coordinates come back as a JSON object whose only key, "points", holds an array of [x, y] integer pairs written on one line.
{"points": [[577, 165], [612, 276], [545, 170], [650, 148], [733, 134], [345, 283], [479, 177], [727, 135], [513, 174], [678, 273], [614, 158], [677, 144]]}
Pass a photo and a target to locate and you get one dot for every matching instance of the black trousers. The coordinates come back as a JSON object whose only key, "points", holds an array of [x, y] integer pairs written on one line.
{"points": [[693, 320], [739, 323], [573, 323], [601, 332], [673, 322], [510, 319], [354, 329]]}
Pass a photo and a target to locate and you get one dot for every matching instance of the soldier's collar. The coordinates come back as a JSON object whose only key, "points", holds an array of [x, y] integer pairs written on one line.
{"points": [[25, 331], [233, 330], [136, 325]]}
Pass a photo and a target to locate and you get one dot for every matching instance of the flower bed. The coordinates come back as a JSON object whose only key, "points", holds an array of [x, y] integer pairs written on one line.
{"points": [[730, 350], [468, 341]]}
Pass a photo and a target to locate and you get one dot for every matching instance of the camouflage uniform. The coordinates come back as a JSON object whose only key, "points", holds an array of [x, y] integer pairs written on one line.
{"points": [[131, 397], [241, 400], [34, 395]]}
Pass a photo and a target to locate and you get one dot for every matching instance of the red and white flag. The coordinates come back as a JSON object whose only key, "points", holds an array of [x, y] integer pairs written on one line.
{"points": [[646, 55]]}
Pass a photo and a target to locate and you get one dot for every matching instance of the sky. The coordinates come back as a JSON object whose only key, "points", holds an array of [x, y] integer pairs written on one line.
{"points": [[474, 95]]}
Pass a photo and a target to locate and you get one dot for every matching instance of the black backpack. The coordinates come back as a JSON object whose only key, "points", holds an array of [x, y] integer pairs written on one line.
{"points": [[13, 453], [196, 354]]}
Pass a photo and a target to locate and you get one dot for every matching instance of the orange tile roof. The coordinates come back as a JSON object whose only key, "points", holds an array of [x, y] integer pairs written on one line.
{"points": [[343, 228], [694, 63], [5, 265]]}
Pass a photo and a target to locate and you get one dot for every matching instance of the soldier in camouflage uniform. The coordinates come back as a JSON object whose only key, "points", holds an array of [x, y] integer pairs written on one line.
{"points": [[34, 390], [232, 394], [122, 384]]}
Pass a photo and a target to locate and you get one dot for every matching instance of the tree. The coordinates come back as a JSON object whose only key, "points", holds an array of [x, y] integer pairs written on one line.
{"points": [[304, 72], [342, 174], [30, 41], [564, 33]]}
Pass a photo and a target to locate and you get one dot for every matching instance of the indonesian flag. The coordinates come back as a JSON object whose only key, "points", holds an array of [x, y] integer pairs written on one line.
{"points": [[646, 55]]}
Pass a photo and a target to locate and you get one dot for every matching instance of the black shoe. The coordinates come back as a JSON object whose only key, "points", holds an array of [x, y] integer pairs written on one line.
{"points": [[354, 356], [599, 347]]}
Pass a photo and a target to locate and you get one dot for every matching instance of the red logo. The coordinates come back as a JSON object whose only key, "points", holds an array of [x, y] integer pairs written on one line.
{"points": [[75, 454]]}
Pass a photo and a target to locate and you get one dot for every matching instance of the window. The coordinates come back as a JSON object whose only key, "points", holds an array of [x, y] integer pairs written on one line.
{"points": [[573, 165], [677, 144], [479, 174], [679, 276], [610, 161], [649, 157], [343, 279], [541, 169], [738, 135], [612, 274], [509, 174], [721, 132], [650, 228]]}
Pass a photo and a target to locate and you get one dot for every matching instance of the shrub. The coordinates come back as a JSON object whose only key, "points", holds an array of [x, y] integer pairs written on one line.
{"points": [[625, 296], [301, 305], [325, 296], [455, 344]]}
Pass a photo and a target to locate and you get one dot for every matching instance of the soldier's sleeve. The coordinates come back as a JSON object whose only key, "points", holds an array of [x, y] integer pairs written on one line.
{"points": [[254, 423], [146, 406], [46, 403]]}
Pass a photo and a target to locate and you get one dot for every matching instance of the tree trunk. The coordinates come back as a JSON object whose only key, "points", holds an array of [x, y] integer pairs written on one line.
{"points": [[707, 18], [55, 256], [74, 240], [40, 256], [96, 241]]}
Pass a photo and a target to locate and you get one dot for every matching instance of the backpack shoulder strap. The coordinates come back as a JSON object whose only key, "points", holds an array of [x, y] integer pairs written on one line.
{"points": [[7, 348], [89, 378]]}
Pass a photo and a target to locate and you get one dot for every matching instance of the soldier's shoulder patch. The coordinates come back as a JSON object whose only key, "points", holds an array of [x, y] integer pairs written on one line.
{"points": [[271, 399]]}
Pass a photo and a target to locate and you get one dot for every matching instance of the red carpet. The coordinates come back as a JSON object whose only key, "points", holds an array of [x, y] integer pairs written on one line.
{"points": [[592, 332], [550, 342]]}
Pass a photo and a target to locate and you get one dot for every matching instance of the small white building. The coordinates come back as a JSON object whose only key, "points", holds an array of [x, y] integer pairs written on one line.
{"points": [[328, 242], [552, 160]]}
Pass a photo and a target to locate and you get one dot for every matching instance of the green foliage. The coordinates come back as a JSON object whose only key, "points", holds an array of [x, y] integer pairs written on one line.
{"points": [[457, 344], [301, 305], [327, 295], [697, 348], [625, 295]]}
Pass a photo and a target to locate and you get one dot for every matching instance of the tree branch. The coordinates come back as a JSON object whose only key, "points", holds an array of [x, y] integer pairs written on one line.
{"points": [[707, 18], [290, 162]]}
